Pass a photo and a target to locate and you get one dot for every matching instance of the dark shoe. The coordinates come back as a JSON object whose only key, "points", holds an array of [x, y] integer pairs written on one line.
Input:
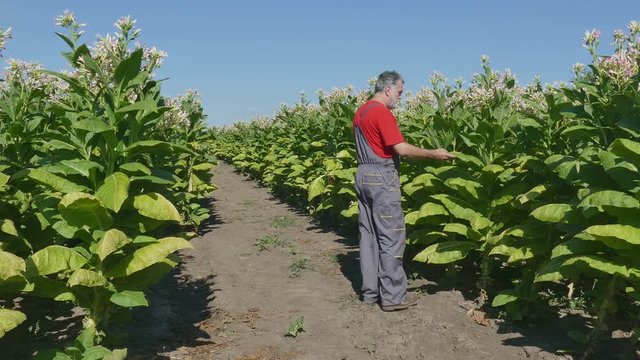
{"points": [[370, 302], [408, 302]]}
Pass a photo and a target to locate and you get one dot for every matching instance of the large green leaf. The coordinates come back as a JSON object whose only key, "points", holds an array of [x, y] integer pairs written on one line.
{"points": [[579, 245], [80, 209], [504, 298], [10, 265], [156, 206], [112, 240], [462, 210], [427, 211], [129, 299], [469, 160], [147, 105], [470, 190], [622, 172], [97, 352], [532, 194], [344, 154], [128, 69], [514, 254], [570, 267], [55, 258], [153, 179], [8, 227], [609, 198], [86, 278], [565, 166], [203, 167], [9, 319], [141, 280], [456, 228], [147, 256], [424, 180], [619, 237], [82, 167], [54, 182], [598, 264], [116, 354], [317, 187], [114, 191], [135, 167], [425, 237], [552, 212], [153, 147], [4, 179], [445, 252], [350, 212], [95, 125], [48, 288], [628, 150]]}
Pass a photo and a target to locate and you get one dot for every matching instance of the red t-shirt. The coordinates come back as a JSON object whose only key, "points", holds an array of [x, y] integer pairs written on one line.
{"points": [[379, 127]]}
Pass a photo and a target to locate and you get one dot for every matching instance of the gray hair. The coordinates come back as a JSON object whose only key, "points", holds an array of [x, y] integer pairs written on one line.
{"points": [[387, 79]]}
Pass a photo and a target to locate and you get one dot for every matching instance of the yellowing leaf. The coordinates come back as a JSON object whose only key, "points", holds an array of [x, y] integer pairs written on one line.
{"points": [[9, 319], [316, 187], [80, 209], [114, 191], [147, 256], [552, 212], [86, 278], [445, 252], [112, 240], [10, 265], [56, 258], [156, 206]]}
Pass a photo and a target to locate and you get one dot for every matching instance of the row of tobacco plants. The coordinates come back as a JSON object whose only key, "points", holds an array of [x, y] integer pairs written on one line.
{"points": [[101, 182], [545, 189]]}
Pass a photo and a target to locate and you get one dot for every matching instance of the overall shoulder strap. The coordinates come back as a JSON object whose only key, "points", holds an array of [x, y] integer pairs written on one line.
{"points": [[365, 110]]}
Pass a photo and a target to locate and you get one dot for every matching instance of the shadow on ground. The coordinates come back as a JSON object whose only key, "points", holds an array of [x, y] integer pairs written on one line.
{"points": [[49, 325], [214, 221], [551, 335], [177, 307]]}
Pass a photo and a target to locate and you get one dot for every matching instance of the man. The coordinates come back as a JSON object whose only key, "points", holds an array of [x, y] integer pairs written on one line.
{"points": [[379, 145]]}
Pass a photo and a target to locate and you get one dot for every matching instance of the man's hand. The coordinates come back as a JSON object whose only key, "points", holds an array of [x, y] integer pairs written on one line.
{"points": [[414, 152], [442, 154]]}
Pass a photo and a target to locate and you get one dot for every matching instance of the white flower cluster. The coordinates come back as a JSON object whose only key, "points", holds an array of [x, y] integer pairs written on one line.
{"points": [[124, 25], [481, 92], [180, 114], [29, 77], [621, 67], [153, 58], [66, 20], [423, 96], [4, 36], [335, 96], [591, 38], [105, 51]]}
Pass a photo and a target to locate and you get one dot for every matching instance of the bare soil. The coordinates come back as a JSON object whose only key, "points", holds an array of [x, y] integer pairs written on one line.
{"points": [[261, 264]]}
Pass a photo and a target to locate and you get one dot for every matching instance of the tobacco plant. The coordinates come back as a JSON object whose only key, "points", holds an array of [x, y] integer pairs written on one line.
{"points": [[88, 182]]}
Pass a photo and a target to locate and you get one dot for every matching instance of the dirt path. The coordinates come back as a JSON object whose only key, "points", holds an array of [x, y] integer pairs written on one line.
{"points": [[232, 300]]}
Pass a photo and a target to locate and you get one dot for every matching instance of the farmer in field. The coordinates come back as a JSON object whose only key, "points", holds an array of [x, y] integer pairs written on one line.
{"points": [[379, 145]]}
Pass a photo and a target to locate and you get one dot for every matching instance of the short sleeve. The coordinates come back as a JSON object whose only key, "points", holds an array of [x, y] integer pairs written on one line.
{"points": [[389, 130]]}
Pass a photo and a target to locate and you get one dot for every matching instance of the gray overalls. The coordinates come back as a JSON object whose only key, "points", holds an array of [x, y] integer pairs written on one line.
{"points": [[381, 223]]}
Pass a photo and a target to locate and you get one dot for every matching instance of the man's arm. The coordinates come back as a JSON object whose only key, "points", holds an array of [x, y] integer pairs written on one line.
{"points": [[413, 152]]}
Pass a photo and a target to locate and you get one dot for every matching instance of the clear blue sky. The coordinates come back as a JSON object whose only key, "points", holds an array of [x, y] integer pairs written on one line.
{"points": [[246, 57]]}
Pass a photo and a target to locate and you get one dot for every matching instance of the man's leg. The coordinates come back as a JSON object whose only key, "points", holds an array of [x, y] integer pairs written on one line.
{"points": [[368, 251], [390, 229]]}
